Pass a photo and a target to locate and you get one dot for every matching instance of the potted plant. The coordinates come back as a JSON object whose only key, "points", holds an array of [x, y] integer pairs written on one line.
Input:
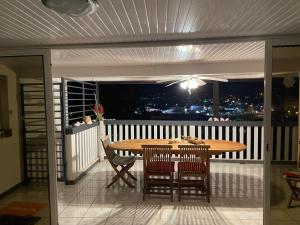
{"points": [[98, 109]]}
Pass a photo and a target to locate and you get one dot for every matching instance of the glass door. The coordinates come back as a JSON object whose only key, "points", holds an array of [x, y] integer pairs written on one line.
{"points": [[282, 105], [27, 174]]}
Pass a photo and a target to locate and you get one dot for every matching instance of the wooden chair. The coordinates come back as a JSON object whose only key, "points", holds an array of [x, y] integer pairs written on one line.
{"points": [[194, 170], [158, 170], [124, 162], [293, 180]]}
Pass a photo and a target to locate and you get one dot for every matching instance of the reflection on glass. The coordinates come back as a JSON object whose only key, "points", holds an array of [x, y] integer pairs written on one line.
{"points": [[285, 108], [24, 194], [242, 100]]}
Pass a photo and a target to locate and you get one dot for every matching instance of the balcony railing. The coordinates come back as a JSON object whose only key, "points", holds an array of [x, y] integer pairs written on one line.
{"points": [[249, 133]]}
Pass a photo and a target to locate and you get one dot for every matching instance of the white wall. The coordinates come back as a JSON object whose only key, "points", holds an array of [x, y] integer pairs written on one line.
{"points": [[10, 152]]}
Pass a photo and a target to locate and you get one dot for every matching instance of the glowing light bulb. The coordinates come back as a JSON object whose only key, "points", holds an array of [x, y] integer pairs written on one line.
{"points": [[191, 84]]}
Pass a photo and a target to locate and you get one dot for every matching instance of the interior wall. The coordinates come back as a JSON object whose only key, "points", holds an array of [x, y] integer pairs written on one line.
{"points": [[10, 149]]}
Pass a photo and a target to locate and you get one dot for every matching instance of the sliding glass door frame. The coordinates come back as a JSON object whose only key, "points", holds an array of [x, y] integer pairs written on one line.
{"points": [[46, 54], [269, 45]]}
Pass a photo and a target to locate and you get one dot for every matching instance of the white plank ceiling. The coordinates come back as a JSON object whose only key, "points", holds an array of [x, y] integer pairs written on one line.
{"points": [[29, 23], [244, 51]]}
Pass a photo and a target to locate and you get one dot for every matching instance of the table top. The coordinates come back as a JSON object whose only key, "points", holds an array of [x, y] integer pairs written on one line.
{"points": [[216, 146]]}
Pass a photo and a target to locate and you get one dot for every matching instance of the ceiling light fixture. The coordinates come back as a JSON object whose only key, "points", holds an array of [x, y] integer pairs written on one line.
{"points": [[185, 48], [73, 8], [191, 84]]}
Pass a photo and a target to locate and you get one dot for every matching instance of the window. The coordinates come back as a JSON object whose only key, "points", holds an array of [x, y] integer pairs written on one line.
{"points": [[81, 99]]}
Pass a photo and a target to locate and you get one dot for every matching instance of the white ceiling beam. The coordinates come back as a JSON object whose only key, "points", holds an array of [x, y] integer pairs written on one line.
{"points": [[156, 71]]}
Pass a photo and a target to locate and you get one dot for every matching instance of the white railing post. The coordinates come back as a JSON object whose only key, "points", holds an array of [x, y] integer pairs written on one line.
{"points": [[248, 143], [241, 141], [255, 143], [246, 132]]}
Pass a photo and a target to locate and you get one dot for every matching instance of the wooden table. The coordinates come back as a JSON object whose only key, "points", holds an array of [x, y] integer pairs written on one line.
{"points": [[217, 147]]}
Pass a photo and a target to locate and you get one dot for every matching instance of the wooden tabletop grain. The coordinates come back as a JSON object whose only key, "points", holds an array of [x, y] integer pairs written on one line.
{"points": [[216, 146]]}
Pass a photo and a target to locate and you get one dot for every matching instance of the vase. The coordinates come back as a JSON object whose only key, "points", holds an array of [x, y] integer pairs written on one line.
{"points": [[101, 129], [101, 134]]}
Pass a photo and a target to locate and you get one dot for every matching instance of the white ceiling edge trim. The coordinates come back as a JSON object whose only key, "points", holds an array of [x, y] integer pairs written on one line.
{"points": [[164, 79], [245, 67], [161, 41]]}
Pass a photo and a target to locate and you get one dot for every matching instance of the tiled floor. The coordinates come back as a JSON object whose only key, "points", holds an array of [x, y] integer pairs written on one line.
{"points": [[237, 195], [280, 195], [34, 192]]}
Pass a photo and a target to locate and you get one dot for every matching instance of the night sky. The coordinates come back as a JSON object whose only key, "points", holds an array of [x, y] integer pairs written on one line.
{"points": [[120, 100]]}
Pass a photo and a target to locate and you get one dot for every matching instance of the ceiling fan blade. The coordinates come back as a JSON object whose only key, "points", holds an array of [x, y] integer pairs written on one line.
{"points": [[211, 78], [163, 81], [283, 74], [175, 82]]}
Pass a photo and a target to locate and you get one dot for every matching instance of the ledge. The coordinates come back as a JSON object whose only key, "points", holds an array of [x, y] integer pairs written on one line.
{"points": [[74, 130]]}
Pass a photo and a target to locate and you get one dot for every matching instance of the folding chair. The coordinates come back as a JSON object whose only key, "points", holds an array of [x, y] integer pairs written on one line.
{"points": [[158, 170], [194, 170], [124, 162], [293, 179]]}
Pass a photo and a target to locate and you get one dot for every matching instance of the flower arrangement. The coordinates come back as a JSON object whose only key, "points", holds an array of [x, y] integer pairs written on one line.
{"points": [[98, 109]]}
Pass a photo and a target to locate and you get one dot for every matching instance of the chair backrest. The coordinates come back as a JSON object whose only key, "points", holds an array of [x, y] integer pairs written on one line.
{"points": [[110, 153], [156, 153], [194, 154]]}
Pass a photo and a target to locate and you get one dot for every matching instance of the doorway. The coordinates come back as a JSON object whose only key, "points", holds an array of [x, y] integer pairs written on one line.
{"points": [[26, 139]]}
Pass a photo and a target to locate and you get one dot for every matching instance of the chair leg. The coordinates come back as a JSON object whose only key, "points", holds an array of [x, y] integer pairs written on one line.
{"points": [[123, 171], [115, 178], [130, 174], [144, 188], [207, 189], [179, 187], [208, 185], [120, 174], [171, 186], [290, 201], [294, 194]]}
